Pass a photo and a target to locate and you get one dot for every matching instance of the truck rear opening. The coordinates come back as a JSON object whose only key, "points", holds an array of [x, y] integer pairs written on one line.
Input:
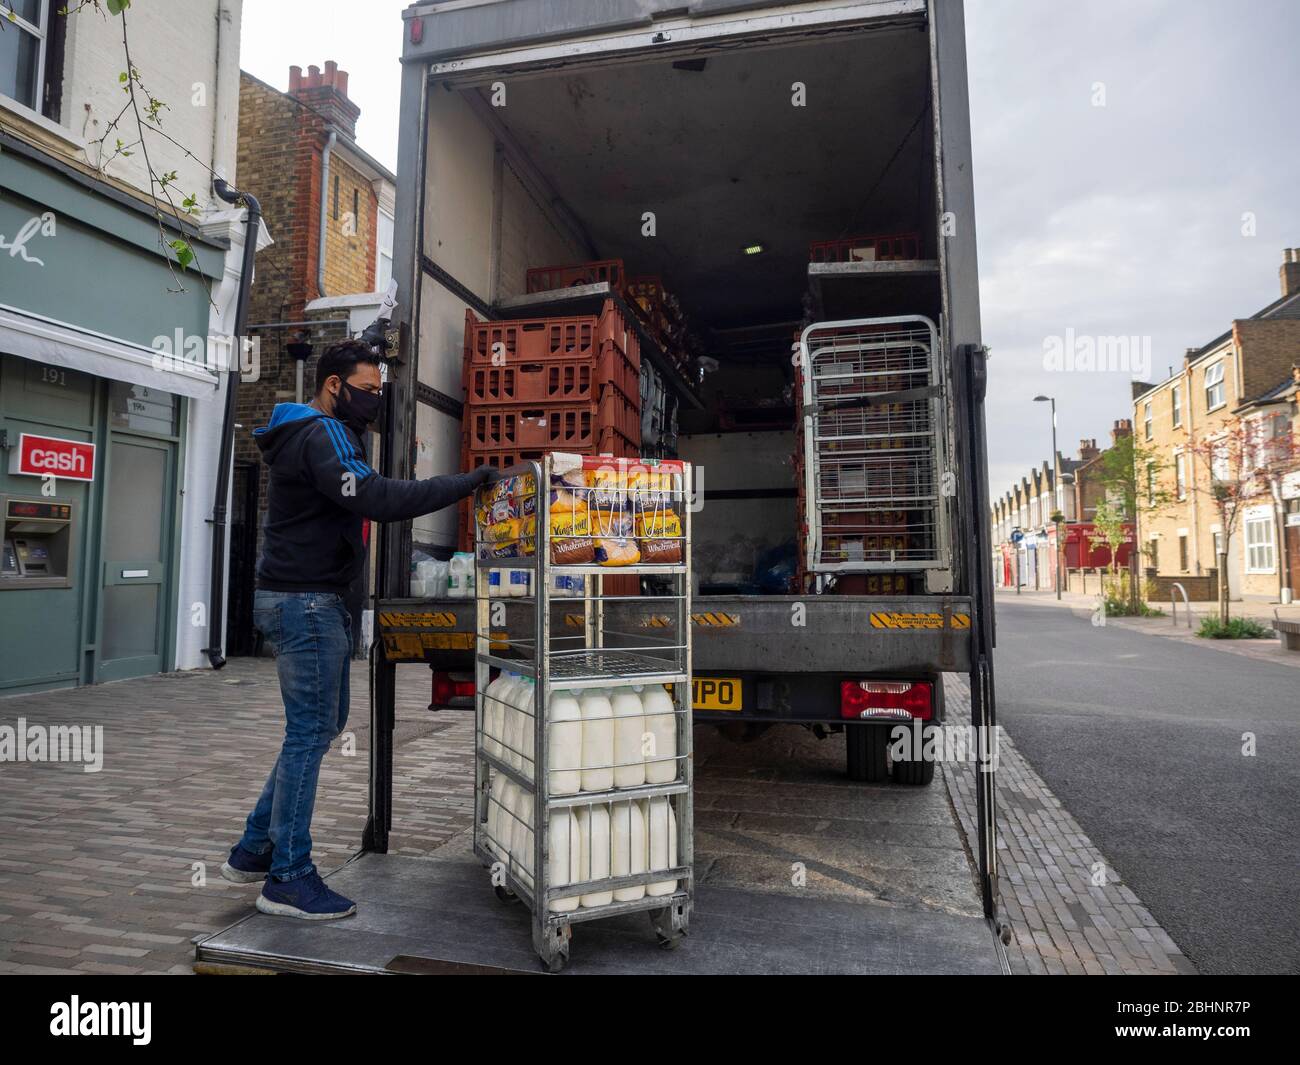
{"points": [[777, 168]]}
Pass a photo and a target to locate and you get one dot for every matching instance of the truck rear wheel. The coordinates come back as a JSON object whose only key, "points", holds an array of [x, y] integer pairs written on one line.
{"points": [[918, 771], [867, 746]]}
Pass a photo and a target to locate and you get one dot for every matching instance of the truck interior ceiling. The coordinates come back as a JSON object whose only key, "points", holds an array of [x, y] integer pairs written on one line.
{"points": [[688, 144]]}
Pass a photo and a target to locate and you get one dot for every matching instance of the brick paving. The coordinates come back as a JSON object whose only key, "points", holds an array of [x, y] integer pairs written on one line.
{"points": [[1061, 921], [116, 871]]}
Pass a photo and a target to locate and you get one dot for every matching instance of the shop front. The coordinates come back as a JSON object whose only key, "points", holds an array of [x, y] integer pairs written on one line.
{"points": [[103, 401]]}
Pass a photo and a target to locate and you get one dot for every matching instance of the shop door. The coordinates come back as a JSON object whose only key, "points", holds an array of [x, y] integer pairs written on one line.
{"points": [[137, 534]]}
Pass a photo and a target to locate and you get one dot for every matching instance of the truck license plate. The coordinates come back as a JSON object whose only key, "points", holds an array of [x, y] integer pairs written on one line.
{"points": [[716, 693]]}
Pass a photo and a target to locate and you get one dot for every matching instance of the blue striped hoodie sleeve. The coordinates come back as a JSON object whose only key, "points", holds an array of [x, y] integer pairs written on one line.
{"points": [[337, 466]]}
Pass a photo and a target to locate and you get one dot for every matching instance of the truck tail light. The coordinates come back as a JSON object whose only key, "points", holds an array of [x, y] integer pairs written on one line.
{"points": [[446, 688], [890, 700]]}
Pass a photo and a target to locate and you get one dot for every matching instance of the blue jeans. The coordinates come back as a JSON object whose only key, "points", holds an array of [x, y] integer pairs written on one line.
{"points": [[310, 634]]}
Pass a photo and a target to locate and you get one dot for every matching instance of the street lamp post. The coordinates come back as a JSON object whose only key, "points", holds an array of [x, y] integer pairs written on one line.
{"points": [[1056, 479]]}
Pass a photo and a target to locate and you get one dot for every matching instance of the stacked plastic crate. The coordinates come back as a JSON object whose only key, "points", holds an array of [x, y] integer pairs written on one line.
{"points": [[537, 385]]}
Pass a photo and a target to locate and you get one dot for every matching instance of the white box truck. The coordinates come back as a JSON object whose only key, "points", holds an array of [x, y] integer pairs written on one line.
{"points": [[709, 142]]}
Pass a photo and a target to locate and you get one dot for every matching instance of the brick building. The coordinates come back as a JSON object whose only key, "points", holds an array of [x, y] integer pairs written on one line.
{"points": [[329, 208], [1025, 540], [1242, 374]]}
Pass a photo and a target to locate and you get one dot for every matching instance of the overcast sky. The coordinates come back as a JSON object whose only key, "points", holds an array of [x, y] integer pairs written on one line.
{"points": [[1121, 147]]}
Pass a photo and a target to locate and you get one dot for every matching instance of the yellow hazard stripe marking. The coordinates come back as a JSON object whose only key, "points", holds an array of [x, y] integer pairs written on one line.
{"points": [[412, 646], [417, 620], [717, 620], [916, 620]]}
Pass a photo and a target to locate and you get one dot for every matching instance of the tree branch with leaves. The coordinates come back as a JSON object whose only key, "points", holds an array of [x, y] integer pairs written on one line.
{"points": [[1243, 462]]}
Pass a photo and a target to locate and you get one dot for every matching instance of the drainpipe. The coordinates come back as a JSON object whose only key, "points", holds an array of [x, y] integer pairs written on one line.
{"points": [[324, 206], [1284, 590], [225, 91], [217, 580]]}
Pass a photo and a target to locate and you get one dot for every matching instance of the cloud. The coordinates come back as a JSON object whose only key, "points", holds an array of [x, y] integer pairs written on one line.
{"points": [[1126, 219]]}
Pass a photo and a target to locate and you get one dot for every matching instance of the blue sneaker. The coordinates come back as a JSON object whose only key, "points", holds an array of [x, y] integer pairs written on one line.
{"points": [[245, 867], [306, 898]]}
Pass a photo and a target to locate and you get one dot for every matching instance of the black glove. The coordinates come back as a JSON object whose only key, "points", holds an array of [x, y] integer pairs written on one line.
{"points": [[487, 474]]}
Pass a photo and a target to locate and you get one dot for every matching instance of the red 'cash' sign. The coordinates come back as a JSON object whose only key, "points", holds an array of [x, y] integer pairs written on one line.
{"points": [[52, 456]]}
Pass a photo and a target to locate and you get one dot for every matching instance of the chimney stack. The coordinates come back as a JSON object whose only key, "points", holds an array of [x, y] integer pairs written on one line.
{"points": [[1289, 274], [1088, 450], [327, 94], [1123, 427]]}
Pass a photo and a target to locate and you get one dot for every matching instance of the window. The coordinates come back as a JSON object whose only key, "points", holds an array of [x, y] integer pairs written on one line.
{"points": [[1146, 420], [23, 51], [1154, 552], [1214, 392], [356, 210], [1177, 400], [1259, 544], [1182, 552], [1180, 475], [1220, 462], [1151, 481], [142, 410], [384, 244], [335, 211]]}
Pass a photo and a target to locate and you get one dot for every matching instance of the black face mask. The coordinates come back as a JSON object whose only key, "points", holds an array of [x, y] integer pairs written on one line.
{"points": [[357, 409]]}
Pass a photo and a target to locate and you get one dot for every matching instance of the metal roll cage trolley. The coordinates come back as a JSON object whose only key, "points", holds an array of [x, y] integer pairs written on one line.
{"points": [[574, 641]]}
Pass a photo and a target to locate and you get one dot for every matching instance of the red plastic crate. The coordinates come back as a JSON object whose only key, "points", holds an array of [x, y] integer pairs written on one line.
{"points": [[574, 427], [556, 381], [647, 295], [887, 246], [567, 381], [524, 340], [550, 278]]}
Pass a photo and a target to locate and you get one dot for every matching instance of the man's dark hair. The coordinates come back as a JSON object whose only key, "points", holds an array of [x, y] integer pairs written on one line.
{"points": [[342, 358]]}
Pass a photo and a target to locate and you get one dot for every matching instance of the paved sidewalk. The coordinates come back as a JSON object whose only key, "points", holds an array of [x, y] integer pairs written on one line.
{"points": [[1086, 608], [1062, 920], [116, 871]]}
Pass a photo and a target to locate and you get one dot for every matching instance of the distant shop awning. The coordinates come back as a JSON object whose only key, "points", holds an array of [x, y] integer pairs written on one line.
{"points": [[44, 340]]}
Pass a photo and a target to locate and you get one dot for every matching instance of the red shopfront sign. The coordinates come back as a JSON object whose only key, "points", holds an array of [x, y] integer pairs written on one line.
{"points": [[52, 456]]}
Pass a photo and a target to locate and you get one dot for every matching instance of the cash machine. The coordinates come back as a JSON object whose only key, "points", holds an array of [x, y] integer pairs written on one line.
{"points": [[38, 542]]}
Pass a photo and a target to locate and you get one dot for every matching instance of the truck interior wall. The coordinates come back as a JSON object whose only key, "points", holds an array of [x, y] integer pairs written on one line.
{"points": [[485, 228], [748, 506], [527, 236]]}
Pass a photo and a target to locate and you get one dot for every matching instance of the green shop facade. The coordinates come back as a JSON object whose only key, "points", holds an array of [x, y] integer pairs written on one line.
{"points": [[110, 407]]}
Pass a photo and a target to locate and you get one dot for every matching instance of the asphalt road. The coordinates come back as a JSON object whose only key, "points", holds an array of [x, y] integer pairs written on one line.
{"points": [[1141, 738]]}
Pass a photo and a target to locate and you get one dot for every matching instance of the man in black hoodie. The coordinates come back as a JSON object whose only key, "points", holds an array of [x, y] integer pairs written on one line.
{"points": [[321, 489]]}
